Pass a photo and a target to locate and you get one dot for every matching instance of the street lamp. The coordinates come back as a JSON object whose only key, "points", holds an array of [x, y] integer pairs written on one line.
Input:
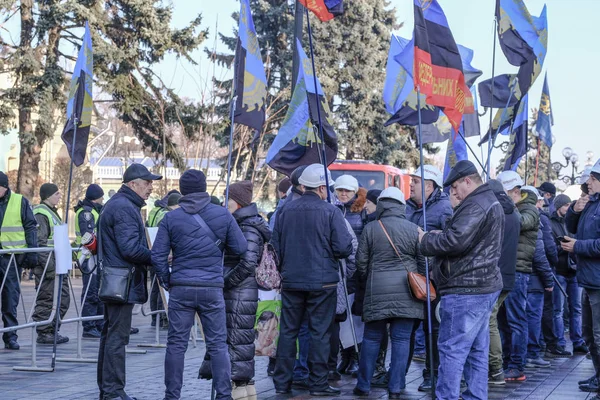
{"points": [[571, 158]]}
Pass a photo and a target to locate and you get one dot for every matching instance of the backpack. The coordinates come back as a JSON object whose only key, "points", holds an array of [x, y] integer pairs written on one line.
{"points": [[267, 274]]}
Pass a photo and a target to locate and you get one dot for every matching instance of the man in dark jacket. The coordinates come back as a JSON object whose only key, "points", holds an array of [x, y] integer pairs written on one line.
{"points": [[47, 218], [197, 233], [439, 211], [310, 237], [123, 244], [566, 271], [87, 212], [512, 320], [283, 188], [159, 210], [468, 280], [582, 219], [18, 230], [507, 264], [548, 192]]}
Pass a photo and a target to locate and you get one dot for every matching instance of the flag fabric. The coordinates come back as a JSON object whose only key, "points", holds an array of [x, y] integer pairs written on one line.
{"points": [[325, 10], [80, 103], [298, 142], [518, 137], [437, 63], [471, 73], [545, 119], [250, 78], [501, 93], [455, 152]]}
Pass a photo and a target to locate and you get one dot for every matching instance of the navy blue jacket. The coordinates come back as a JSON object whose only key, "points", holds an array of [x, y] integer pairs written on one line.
{"points": [[541, 277], [124, 242], [197, 261], [586, 227], [357, 220], [510, 240], [565, 259], [439, 211], [549, 242], [310, 237]]}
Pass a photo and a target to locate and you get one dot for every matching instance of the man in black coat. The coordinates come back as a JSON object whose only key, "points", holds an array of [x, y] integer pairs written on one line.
{"points": [[310, 237], [468, 280], [123, 244]]}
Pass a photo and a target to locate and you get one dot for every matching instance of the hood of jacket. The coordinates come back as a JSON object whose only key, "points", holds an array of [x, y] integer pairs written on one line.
{"points": [[162, 203], [88, 203], [249, 216], [506, 202], [390, 208], [527, 197], [193, 203]]}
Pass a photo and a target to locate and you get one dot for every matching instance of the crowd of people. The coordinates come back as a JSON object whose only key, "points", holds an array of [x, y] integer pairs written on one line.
{"points": [[513, 268]]}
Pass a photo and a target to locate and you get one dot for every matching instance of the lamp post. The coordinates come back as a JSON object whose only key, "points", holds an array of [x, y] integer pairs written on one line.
{"points": [[572, 159]]}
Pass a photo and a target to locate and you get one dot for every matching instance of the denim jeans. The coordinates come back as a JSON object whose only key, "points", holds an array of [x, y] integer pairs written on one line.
{"points": [[513, 324], [590, 323], [464, 343], [495, 341], [301, 364], [535, 307], [420, 340], [184, 303], [401, 330], [574, 292]]}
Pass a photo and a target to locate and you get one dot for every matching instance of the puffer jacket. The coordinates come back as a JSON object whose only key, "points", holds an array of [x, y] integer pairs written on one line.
{"points": [[439, 211], [541, 277], [241, 292], [197, 261], [470, 246], [530, 224], [586, 227], [549, 242], [564, 258], [349, 273], [510, 240], [354, 213], [387, 292], [124, 242]]}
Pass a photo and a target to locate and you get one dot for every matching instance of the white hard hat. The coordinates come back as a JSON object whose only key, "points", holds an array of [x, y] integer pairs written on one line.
{"points": [[510, 180], [392, 193], [313, 176], [347, 182], [585, 175], [596, 167], [532, 190], [430, 173]]}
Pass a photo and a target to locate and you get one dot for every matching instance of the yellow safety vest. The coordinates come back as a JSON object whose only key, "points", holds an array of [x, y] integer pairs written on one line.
{"points": [[12, 233], [78, 232], [53, 219], [156, 215]]}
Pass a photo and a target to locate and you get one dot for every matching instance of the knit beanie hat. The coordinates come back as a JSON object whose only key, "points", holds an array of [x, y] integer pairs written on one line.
{"points": [[94, 192], [173, 199], [47, 190], [372, 195], [241, 193], [3, 180], [284, 185], [192, 181], [561, 200]]}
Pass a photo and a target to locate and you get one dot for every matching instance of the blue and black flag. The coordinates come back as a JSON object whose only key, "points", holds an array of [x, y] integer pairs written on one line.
{"points": [[502, 90], [298, 142], [518, 137], [250, 78], [545, 119], [80, 104]]}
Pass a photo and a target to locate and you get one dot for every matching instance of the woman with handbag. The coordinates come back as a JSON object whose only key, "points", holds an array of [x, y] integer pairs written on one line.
{"points": [[388, 254]]}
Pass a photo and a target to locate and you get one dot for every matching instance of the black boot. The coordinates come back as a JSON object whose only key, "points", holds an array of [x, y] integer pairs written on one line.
{"points": [[344, 362], [353, 366], [271, 367]]}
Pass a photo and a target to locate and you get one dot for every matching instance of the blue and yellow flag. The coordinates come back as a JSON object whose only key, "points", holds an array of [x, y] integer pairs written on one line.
{"points": [[297, 142], [79, 106], [545, 119], [250, 78], [518, 137]]}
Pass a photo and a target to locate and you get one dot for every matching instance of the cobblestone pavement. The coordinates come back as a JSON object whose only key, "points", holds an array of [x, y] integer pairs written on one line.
{"points": [[145, 371]]}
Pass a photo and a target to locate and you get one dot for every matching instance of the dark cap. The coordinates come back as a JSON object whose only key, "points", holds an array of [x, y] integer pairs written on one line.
{"points": [[173, 199], [3, 180], [496, 186], [47, 190], [461, 169], [547, 187], [139, 171], [295, 176], [372, 195], [284, 185], [561, 200], [94, 192]]}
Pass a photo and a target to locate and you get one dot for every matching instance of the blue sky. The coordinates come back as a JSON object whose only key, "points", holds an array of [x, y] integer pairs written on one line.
{"points": [[572, 54]]}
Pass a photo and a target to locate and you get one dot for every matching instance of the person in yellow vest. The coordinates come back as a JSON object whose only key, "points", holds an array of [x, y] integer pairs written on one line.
{"points": [[87, 212], [160, 209], [17, 231], [47, 218]]}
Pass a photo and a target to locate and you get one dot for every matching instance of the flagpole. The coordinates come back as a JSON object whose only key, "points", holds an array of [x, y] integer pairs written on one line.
{"points": [[490, 144], [427, 281], [473, 152], [342, 263], [298, 23]]}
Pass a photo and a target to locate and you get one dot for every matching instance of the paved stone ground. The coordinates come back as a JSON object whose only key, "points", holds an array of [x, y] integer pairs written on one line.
{"points": [[145, 371]]}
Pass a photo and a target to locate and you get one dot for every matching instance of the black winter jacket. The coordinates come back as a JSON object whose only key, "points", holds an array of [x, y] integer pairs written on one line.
{"points": [[541, 277], [124, 241], [549, 242], [564, 258], [530, 224], [197, 261], [470, 245], [310, 237], [241, 292], [86, 220], [510, 240], [387, 292]]}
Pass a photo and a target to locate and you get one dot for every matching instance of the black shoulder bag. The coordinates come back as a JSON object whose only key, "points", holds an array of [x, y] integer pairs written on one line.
{"points": [[114, 282]]}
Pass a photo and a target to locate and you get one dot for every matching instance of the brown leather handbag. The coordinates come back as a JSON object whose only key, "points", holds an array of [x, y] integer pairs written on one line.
{"points": [[417, 283]]}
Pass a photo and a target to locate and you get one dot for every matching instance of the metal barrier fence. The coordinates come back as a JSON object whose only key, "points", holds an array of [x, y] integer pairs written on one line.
{"points": [[30, 323]]}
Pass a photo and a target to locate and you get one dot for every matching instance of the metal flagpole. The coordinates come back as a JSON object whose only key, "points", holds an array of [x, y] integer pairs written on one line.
{"points": [[298, 23], [234, 96], [427, 281], [342, 263], [490, 145], [473, 152]]}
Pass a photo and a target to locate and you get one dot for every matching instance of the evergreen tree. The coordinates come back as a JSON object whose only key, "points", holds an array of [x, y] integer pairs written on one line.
{"points": [[129, 38]]}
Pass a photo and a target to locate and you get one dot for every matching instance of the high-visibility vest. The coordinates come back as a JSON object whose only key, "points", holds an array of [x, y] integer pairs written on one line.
{"points": [[53, 220], [156, 215], [12, 233], [78, 232]]}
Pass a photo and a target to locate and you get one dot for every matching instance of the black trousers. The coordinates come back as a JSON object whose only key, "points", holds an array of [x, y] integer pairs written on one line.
{"points": [[92, 306], [43, 303], [319, 306], [111, 354], [334, 346], [10, 297], [548, 332]]}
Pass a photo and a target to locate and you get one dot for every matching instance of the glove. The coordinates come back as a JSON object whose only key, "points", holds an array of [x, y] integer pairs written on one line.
{"points": [[31, 260]]}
